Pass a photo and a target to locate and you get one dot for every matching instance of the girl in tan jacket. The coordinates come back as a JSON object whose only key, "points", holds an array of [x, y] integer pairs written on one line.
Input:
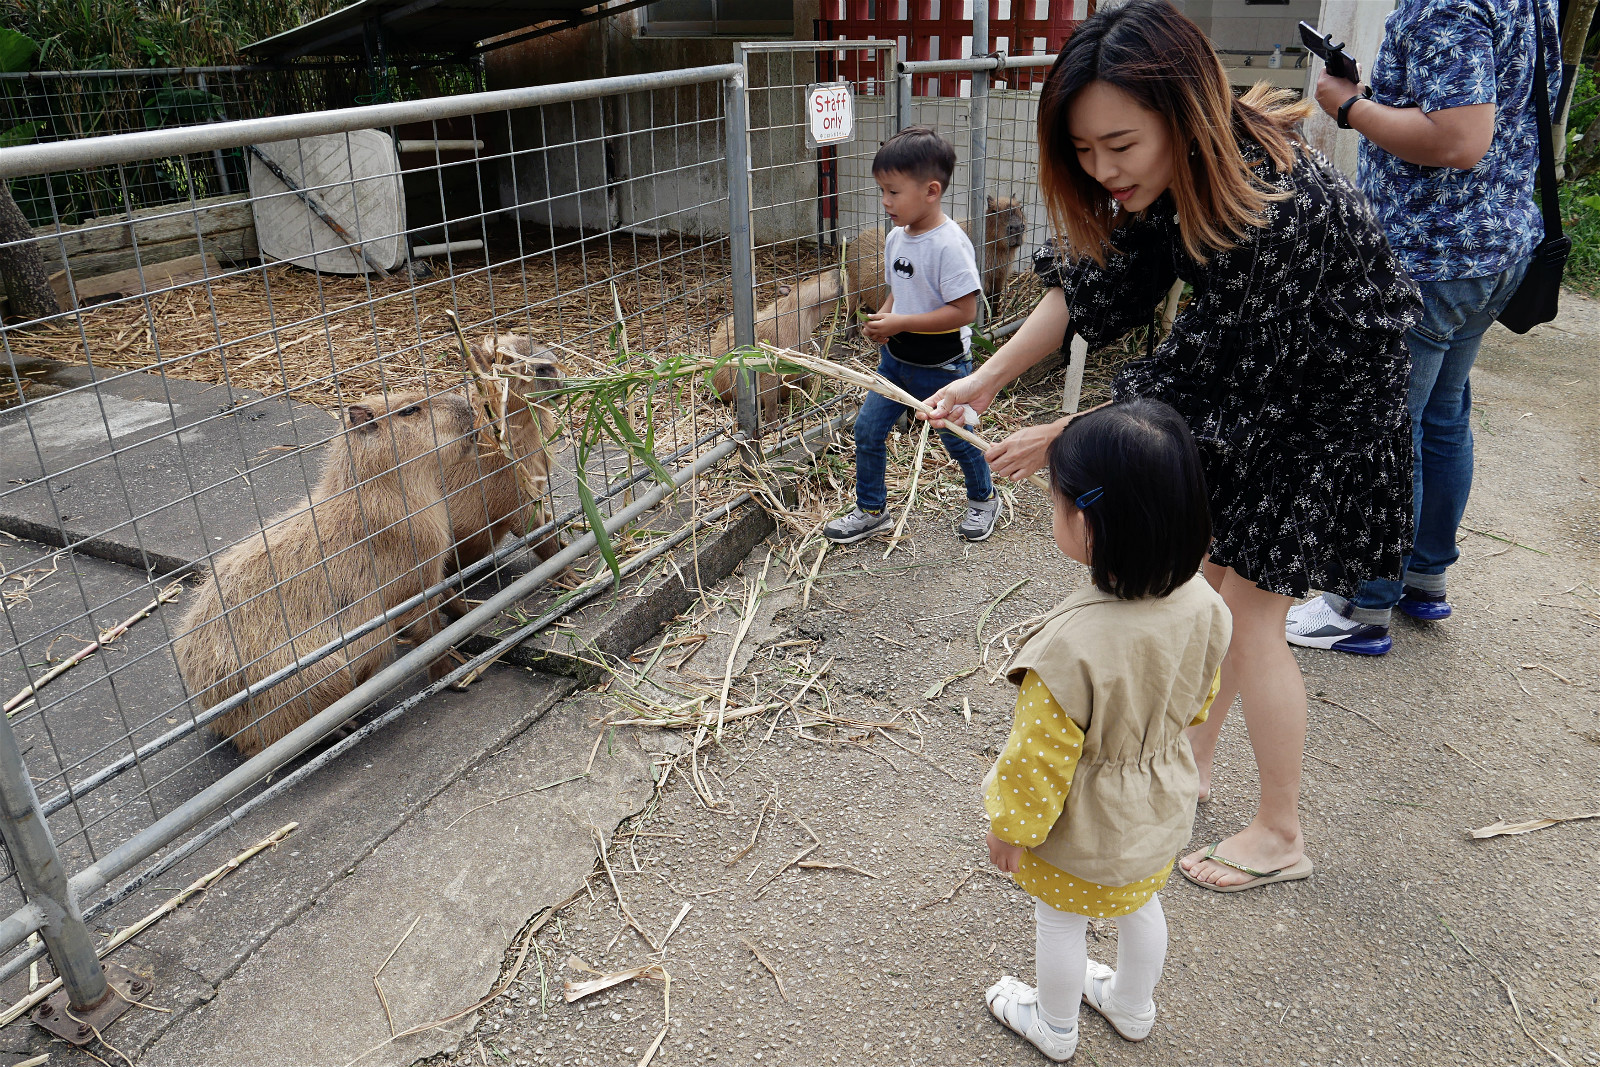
{"points": [[1095, 790]]}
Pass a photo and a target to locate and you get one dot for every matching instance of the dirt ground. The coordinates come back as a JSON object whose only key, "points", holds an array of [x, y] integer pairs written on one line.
{"points": [[1402, 948]]}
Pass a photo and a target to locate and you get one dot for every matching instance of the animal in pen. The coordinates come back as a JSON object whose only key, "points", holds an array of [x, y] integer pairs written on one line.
{"points": [[496, 494], [373, 533], [786, 323], [1004, 225]]}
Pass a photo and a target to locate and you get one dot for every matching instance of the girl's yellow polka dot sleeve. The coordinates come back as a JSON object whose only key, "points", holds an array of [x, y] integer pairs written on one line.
{"points": [[1205, 709], [1034, 772]]}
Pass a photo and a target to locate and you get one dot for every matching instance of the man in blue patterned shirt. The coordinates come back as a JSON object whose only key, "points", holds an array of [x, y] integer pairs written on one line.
{"points": [[1449, 153]]}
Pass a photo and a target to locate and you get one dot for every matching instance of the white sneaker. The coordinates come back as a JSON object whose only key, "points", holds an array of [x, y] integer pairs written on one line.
{"points": [[1016, 1005], [1130, 1025], [1317, 624]]}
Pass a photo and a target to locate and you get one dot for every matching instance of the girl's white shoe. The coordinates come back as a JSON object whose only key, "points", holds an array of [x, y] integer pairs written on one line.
{"points": [[1016, 1005], [1131, 1026]]}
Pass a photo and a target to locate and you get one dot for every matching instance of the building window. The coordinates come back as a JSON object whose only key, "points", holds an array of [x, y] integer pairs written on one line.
{"points": [[717, 18]]}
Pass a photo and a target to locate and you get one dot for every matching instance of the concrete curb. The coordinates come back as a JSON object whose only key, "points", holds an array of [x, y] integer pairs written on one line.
{"points": [[618, 624]]}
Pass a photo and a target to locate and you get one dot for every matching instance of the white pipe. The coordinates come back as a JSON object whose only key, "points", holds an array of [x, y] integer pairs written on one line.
{"points": [[448, 246], [439, 146]]}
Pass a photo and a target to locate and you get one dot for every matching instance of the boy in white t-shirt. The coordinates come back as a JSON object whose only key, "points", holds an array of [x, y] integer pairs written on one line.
{"points": [[924, 328]]}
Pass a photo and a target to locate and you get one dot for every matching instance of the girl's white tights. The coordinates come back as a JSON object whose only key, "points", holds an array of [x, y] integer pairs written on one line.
{"points": [[1063, 955]]}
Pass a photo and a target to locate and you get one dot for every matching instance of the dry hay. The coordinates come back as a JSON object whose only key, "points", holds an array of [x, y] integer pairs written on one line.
{"points": [[326, 339]]}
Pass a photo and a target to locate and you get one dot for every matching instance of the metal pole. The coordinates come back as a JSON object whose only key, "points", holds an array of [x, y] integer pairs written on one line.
{"points": [[216, 153], [902, 98], [741, 249], [977, 149], [44, 880], [85, 152]]}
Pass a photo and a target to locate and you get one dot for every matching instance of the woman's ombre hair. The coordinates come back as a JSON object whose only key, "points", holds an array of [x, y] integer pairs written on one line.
{"points": [[1150, 51]]}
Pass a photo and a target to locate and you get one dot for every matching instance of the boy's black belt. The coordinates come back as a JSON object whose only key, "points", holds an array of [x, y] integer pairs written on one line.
{"points": [[928, 349]]}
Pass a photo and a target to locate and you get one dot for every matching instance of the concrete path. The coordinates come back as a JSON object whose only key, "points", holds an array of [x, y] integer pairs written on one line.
{"points": [[1394, 952], [141, 471]]}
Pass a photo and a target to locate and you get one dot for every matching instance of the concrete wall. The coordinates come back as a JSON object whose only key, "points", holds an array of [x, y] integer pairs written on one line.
{"points": [[1235, 24], [1358, 23], [652, 162]]}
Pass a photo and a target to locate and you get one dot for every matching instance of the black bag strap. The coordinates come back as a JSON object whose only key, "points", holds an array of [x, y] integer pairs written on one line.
{"points": [[1550, 202]]}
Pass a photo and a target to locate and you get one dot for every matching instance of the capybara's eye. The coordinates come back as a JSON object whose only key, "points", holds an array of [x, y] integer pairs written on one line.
{"points": [[412, 410]]}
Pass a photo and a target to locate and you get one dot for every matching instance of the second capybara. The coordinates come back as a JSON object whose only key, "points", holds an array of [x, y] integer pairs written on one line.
{"points": [[786, 323], [486, 495], [1005, 224], [373, 533]]}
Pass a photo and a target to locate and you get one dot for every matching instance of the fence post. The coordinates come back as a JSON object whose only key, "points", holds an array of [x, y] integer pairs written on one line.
{"points": [[216, 153], [902, 94], [741, 250], [977, 150], [38, 864]]}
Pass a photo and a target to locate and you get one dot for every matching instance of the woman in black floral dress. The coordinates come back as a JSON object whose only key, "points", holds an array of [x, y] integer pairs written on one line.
{"points": [[1287, 363]]}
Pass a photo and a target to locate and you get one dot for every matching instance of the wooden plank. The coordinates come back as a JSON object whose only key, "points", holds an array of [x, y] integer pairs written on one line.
{"points": [[133, 282], [108, 233], [228, 247]]}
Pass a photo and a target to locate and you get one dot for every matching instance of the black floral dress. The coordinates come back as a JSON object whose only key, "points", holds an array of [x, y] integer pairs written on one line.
{"points": [[1289, 366]]}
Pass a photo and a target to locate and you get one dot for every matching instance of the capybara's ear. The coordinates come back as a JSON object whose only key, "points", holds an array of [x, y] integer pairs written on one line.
{"points": [[356, 414], [994, 205], [784, 290]]}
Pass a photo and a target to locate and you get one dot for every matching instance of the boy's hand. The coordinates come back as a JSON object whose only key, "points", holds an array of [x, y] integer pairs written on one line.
{"points": [[1004, 855], [880, 326]]}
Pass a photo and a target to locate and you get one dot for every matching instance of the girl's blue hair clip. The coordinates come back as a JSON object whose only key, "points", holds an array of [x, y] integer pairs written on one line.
{"points": [[1085, 499]]}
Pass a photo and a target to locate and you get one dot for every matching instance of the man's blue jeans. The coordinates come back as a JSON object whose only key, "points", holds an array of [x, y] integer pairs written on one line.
{"points": [[877, 418], [1444, 343]]}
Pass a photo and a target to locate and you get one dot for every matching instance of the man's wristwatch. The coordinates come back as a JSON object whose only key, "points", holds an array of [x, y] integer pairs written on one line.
{"points": [[1344, 108]]}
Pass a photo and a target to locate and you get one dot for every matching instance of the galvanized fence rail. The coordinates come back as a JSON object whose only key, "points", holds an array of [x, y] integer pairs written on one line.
{"points": [[45, 106]]}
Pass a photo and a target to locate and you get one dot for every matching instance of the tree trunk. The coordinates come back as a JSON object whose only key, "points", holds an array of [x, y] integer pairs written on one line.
{"points": [[1580, 18], [22, 268]]}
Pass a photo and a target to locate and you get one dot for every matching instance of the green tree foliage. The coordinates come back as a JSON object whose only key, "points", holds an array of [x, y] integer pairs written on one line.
{"points": [[121, 34]]}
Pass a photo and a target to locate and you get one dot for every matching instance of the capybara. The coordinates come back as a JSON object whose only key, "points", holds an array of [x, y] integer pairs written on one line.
{"points": [[373, 533], [1005, 223], [786, 323], [486, 497]]}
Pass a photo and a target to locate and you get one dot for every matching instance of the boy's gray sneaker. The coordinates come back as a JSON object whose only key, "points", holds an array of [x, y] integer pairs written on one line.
{"points": [[853, 527], [980, 520]]}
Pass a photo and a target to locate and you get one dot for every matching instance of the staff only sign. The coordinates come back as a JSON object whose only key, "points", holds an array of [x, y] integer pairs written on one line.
{"points": [[830, 114]]}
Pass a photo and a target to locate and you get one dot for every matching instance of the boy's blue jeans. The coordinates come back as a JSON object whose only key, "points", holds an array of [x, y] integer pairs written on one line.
{"points": [[877, 418], [1444, 343]]}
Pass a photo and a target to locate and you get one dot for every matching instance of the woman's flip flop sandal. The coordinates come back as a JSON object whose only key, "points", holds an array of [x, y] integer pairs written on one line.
{"points": [[1292, 873]]}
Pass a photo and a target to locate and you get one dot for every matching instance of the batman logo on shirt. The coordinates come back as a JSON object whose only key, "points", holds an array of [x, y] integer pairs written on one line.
{"points": [[903, 268]]}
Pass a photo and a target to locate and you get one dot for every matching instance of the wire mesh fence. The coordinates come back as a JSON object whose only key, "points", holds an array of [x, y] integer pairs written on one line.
{"points": [[255, 372], [268, 387], [46, 106]]}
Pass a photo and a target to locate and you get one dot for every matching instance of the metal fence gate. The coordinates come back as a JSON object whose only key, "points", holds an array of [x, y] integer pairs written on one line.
{"points": [[176, 414]]}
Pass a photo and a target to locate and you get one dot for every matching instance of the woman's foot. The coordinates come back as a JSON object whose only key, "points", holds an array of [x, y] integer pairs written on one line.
{"points": [[1254, 846], [1016, 1005]]}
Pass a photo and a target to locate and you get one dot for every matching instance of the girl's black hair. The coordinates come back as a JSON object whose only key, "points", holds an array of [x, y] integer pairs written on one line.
{"points": [[1150, 525]]}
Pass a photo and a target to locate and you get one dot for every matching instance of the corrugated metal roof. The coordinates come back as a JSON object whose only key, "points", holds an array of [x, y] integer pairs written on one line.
{"points": [[430, 27]]}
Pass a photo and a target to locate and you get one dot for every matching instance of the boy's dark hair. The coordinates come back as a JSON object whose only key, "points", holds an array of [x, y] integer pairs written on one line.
{"points": [[920, 152], [1150, 526]]}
